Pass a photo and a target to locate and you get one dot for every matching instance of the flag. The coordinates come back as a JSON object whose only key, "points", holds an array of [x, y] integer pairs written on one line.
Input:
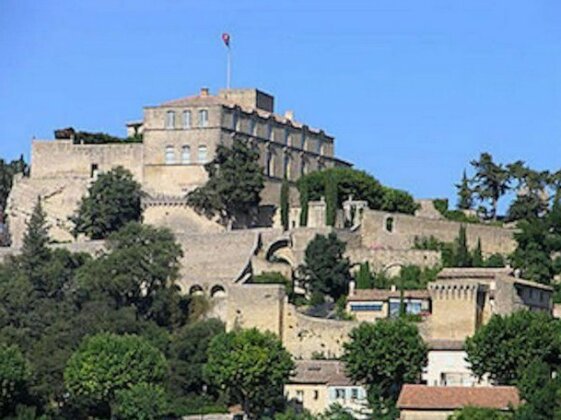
{"points": [[226, 39]]}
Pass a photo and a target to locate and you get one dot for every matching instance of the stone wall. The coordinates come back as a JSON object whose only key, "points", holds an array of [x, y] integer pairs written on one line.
{"points": [[406, 228], [391, 260], [178, 217]]}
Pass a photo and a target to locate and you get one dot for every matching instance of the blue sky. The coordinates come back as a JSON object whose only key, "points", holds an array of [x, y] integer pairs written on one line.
{"points": [[412, 90]]}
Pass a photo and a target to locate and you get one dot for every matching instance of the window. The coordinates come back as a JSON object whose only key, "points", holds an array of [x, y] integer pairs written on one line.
{"points": [[202, 157], [170, 155], [367, 307], [389, 224], [318, 146], [299, 395], [251, 127], [185, 154], [94, 170], [286, 137], [339, 393], [270, 163], [286, 169], [187, 119], [270, 134], [316, 394], [235, 121], [303, 167], [354, 393], [203, 118], [170, 119]]}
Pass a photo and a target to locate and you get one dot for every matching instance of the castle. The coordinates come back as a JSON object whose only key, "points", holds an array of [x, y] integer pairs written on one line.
{"points": [[180, 136]]}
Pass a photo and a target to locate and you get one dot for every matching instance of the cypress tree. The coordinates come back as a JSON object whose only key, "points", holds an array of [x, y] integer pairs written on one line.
{"points": [[465, 194], [304, 198], [330, 201], [284, 204], [364, 278], [477, 257], [463, 257], [34, 252]]}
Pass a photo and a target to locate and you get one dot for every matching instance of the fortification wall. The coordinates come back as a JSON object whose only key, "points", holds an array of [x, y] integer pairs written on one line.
{"points": [[304, 335], [393, 259], [179, 218], [60, 197], [61, 158], [405, 228]]}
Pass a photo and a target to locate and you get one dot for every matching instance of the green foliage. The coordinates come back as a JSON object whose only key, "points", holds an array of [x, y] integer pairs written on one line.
{"points": [[251, 366], [14, 374], [274, 277], [304, 202], [113, 200], [463, 256], [331, 199], [364, 278], [540, 392], [358, 184], [325, 269], [7, 172], [142, 401], [478, 413], [285, 204], [506, 345], [336, 412], [398, 201], [465, 194], [85, 137], [531, 201], [234, 185], [188, 356], [454, 215], [107, 363], [386, 354], [491, 181]]}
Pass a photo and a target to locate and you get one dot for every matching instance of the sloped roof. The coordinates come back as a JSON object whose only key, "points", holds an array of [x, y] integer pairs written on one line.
{"points": [[423, 397], [328, 372]]}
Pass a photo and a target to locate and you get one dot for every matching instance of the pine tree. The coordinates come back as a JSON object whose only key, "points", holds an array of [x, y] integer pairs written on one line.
{"points": [[284, 204], [34, 252], [465, 194], [304, 198]]}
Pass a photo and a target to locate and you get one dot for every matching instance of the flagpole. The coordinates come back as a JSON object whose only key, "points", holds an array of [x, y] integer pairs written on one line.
{"points": [[228, 68]]}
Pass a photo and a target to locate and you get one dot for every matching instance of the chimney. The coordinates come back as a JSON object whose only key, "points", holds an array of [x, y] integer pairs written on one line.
{"points": [[289, 115], [204, 92]]}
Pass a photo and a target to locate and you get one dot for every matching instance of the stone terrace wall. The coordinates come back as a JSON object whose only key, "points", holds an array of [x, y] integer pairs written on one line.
{"points": [[406, 228], [62, 158], [383, 259], [304, 335]]}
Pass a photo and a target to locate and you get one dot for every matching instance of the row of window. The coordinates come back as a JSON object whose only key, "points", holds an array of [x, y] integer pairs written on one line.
{"points": [[286, 166], [170, 158], [186, 119]]}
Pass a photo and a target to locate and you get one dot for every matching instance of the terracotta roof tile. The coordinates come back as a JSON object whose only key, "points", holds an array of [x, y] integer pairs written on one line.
{"points": [[329, 372], [423, 397]]}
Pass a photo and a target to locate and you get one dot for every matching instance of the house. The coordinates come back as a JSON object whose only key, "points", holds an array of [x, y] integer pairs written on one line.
{"points": [[318, 384], [422, 402], [373, 304]]}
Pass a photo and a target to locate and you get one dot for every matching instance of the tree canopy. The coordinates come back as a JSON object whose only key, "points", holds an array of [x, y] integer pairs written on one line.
{"points": [[234, 185], [112, 201], [14, 375], [506, 345], [252, 367], [326, 270]]}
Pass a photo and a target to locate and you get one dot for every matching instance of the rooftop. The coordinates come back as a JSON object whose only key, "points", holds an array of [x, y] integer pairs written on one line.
{"points": [[328, 372], [423, 397], [504, 274], [385, 294]]}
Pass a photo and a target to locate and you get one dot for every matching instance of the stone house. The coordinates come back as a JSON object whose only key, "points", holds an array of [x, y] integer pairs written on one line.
{"points": [[421, 402]]}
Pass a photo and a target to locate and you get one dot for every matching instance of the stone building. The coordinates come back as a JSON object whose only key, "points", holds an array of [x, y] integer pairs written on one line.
{"points": [[179, 137]]}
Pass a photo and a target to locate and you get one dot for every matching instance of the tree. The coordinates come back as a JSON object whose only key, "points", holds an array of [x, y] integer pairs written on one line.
{"points": [[477, 256], [142, 401], [506, 345], [364, 278], [465, 194], [531, 200], [325, 269], [34, 251], [14, 374], [251, 366], [540, 392], [385, 355], [304, 202], [7, 173], [140, 269], [331, 204], [188, 356], [463, 256], [112, 201], [107, 363], [398, 201], [234, 185], [285, 204], [491, 181], [479, 413]]}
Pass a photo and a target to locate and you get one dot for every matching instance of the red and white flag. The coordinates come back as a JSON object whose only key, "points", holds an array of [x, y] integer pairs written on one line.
{"points": [[226, 39]]}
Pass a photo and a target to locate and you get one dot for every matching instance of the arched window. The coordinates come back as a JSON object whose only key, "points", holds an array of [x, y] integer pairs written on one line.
{"points": [[196, 290], [286, 169], [202, 154], [270, 168], [170, 120], [389, 224], [235, 119], [187, 119], [251, 127], [203, 118], [217, 291], [185, 154], [303, 167], [170, 155]]}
